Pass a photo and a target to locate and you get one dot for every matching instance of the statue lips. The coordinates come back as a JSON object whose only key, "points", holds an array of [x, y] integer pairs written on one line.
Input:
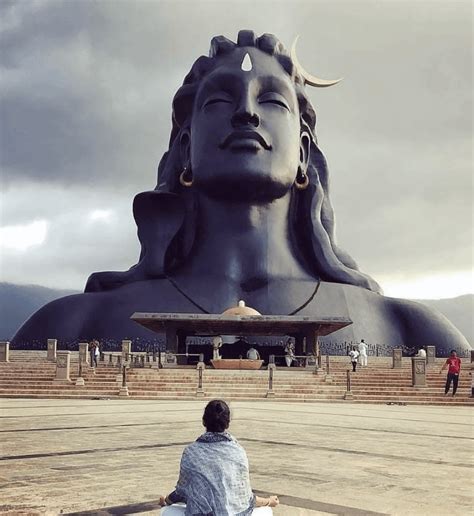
{"points": [[245, 140]]}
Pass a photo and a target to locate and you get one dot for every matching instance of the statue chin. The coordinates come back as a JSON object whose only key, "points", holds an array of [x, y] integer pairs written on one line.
{"points": [[240, 187]]}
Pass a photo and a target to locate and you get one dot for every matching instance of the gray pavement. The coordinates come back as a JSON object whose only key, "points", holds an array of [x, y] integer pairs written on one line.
{"points": [[117, 456]]}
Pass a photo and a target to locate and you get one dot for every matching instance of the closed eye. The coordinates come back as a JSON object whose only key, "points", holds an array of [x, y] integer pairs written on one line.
{"points": [[216, 101], [274, 101], [273, 98]]}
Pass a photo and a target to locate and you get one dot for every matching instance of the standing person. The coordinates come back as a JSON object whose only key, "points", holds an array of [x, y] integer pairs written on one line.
{"points": [[93, 351], [454, 368], [253, 354], [363, 352], [289, 353], [97, 351], [216, 345], [214, 473], [354, 354]]}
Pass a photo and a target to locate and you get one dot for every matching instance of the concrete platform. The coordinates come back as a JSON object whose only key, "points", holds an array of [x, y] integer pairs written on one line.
{"points": [[117, 456]]}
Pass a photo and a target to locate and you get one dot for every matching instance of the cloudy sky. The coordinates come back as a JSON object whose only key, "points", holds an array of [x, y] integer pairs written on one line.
{"points": [[86, 89]]}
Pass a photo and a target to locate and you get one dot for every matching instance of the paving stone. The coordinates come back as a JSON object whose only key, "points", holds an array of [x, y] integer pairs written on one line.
{"points": [[321, 458]]}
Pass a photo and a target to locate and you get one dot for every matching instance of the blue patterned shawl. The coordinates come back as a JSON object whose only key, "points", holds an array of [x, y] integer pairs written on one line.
{"points": [[214, 477]]}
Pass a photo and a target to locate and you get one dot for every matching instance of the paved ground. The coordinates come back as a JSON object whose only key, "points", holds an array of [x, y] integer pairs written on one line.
{"points": [[60, 456]]}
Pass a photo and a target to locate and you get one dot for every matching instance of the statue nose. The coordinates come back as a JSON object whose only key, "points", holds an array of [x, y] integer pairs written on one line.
{"points": [[244, 117]]}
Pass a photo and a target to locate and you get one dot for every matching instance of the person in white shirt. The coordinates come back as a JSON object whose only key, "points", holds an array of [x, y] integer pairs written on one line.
{"points": [[216, 345], [289, 353], [253, 354], [362, 353], [421, 353], [354, 354]]}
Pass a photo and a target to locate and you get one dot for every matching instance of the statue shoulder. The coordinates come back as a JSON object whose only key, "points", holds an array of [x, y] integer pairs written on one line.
{"points": [[60, 319], [426, 326]]}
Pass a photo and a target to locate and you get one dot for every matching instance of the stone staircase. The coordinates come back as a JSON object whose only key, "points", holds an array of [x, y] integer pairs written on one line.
{"points": [[29, 374], [245, 385], [379, 383]]}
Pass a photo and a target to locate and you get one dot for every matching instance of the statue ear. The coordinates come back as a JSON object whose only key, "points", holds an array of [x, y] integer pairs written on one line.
{"points": [[305, 145]]}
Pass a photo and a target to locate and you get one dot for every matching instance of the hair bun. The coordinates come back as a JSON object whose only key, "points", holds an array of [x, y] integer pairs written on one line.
{"points": [[216, 416]]}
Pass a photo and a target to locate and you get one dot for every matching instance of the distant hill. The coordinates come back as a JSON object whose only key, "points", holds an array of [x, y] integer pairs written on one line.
{"points": [[19, 302]]}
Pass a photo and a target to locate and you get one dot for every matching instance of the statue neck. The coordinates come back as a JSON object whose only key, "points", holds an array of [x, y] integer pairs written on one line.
{"points": [[248, 244]]}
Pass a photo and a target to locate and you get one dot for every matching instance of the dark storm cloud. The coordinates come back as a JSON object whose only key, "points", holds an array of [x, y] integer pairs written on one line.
{"points": [[86, 90], [78, 104]]}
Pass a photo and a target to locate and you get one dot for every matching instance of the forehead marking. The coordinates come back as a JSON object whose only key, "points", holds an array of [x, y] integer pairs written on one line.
{"points": [[246, 65]]}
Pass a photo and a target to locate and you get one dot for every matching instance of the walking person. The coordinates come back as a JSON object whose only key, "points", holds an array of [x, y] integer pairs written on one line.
{"points": [[354, 355], [453, 363], [363, 353], [214, 474]]}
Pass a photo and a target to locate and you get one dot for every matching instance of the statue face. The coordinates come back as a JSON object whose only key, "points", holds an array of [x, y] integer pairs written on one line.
{"points": [[245, 129]]}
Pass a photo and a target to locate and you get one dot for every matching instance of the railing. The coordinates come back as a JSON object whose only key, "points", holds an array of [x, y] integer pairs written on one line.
{"points": [[327, 347], [124, 376], [301, 360], [132, 359], [111, 359], [271, 368], [348, 393], [343, 348]]}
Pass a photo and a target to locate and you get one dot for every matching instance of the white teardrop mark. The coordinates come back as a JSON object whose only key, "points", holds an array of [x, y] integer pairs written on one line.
{"points": [[246, 63]]}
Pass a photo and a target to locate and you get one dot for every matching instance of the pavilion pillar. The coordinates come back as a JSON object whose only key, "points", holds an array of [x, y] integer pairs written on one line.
{"points": [[311, 343], [299, 344], [171, 339], [181, 347]]}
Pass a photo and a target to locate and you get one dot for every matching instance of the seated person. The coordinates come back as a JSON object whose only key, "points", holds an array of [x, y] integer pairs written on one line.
{"points": [[421, 353], [253, 354], [214, 473]]}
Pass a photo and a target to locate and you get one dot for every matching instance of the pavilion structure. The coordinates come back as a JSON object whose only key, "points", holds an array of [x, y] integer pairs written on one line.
{"points": [[178, 326]]}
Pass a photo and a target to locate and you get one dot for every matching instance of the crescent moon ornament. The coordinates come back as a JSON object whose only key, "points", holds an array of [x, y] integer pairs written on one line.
{"points": [[308, 78]]}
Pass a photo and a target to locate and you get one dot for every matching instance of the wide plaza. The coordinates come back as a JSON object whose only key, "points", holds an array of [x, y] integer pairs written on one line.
{"points": [[117, 456]]}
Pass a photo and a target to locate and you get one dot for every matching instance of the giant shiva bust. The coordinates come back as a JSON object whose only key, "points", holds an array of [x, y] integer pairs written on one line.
{"points": [[241, 210]]}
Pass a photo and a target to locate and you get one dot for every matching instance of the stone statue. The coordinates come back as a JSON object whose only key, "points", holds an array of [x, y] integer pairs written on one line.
{"points": [[241, 210]]}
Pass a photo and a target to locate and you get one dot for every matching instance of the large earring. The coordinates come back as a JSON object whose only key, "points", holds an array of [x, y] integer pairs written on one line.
{"points": [[302, 180], [182, 177]]}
